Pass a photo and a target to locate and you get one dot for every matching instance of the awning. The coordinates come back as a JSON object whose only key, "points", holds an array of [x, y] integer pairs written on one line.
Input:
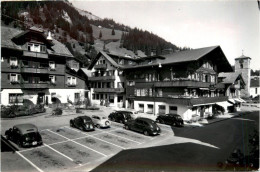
{"points": [[243, 101], [238, 100], [224, 104], [232, 101], [203, 104]]}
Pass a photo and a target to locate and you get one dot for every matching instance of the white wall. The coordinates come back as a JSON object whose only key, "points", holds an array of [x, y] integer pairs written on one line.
{"points": [[182, 110], [31, 95], [253, 93]]}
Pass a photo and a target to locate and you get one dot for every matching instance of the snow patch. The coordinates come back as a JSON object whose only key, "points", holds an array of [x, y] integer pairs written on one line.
{"points": [[66, 17]]}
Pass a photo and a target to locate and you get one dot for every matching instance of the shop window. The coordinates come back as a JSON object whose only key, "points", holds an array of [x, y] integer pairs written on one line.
{"points": [[173, 109], [162, 109], [149, 108], [141, 108], [15, 98], [111, 98]]}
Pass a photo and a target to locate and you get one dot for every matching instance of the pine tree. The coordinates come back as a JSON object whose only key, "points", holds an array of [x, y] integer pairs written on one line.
{"points": [[100, 34], [113, 31]]}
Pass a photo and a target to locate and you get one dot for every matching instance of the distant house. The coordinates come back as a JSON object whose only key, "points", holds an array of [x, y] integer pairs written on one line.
{"points": [[37, 69], [254, 87]]}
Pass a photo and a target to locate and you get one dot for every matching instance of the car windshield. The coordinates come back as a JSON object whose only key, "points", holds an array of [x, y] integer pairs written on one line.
{"points": [[32, 135], [86, 121]]}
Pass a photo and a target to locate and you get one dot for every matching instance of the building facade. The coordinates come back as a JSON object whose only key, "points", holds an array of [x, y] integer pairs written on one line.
{"points": [[184, 82], [254, 87], [107, 81], [34, 69]]}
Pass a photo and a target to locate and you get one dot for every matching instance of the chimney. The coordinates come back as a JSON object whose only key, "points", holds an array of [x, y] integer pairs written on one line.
{"points": [[49, 36]]}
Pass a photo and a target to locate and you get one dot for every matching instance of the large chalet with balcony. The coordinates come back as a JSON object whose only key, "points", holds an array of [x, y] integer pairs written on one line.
{"points": [[183, 82], [37, 69]]}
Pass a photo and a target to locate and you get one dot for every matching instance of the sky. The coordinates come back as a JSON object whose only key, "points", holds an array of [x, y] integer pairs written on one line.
{"points": [[234, 25]]}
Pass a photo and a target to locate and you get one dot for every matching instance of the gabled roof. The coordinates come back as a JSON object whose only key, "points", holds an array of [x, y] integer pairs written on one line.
{"points": [[230, 77], [93, 62], [242, 57], [7, 34], [255, 82], [189, 55], [86, 71]]}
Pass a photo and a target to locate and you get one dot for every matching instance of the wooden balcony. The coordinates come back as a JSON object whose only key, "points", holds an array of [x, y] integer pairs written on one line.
{"points": [[101, 78], [100, 66], [109, 90], [34, 86], [35, 54], [184, 101], [34, 70], [180, 83]]}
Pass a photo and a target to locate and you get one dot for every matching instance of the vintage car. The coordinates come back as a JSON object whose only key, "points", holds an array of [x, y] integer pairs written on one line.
{"points": [[100, 121], [170, 119], [120, 116], [24, 135], [143, 125], [83, 123]]}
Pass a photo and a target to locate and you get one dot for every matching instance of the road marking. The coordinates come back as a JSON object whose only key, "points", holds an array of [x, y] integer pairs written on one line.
{"points": [[124, 138], [88, 148], [58, 134], [59, 152], [31, 149], [30, 162], [98, 138], [79, 143]]}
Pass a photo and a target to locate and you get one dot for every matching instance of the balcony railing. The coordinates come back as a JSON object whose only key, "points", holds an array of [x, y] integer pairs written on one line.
{"points": [[109, 90], [34, 70], [35, 54], [98, 78], [33, 86], [185, 101], [181, 83], [100, 66]]}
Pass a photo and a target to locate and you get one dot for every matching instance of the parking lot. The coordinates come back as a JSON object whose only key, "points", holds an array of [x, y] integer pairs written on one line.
{"points": [[67, 148]]}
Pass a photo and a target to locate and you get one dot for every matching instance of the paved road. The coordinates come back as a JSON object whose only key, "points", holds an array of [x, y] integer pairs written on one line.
{"points": [[215, 143]]}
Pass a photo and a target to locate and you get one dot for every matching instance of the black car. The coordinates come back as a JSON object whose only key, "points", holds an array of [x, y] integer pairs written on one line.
{"points": [[170, 119], [143, 125], [83, 123], [24, 135], [120, 116]]}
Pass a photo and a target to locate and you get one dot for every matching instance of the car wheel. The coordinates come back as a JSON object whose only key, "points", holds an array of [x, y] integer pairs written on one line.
{"points": [[121, 121], [98, 126], [157, 120], [71, 124], [146, 133], [162, 122], [19, 144], [81, 128], [127, 127], [174, 124], [7, 137], [113, 119]]}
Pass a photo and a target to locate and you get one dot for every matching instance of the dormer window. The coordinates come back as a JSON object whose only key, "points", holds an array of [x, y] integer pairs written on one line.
{"points": [[36, 47]]}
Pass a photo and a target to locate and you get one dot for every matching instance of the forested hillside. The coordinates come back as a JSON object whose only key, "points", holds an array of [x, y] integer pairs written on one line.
{"points": [[73, 27]]}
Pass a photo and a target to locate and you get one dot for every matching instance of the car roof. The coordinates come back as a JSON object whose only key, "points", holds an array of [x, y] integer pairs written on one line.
{"points": [[99, 115], [124, 111], [145, 119], [85, 117], [26, 128], [172, 114]]}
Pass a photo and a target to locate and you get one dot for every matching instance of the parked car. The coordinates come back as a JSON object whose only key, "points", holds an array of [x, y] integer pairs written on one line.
{"points": [[83, 123], [170, 119], [24, 135], [120, 116], [143, 125], [100, 121]]}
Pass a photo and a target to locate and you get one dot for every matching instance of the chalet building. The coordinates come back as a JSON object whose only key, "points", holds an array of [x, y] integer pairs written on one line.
{"points": [[37, 69], [107, 80], [183, 82], [234, 83]]}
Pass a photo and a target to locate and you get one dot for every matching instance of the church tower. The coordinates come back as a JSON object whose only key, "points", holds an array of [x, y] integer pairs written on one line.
{"points": [[242, 65]]}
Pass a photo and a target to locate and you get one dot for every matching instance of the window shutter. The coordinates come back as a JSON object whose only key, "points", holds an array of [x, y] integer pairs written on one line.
{"points": [[54, 78], [8, 76], [8, 60], [18, 77]]}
